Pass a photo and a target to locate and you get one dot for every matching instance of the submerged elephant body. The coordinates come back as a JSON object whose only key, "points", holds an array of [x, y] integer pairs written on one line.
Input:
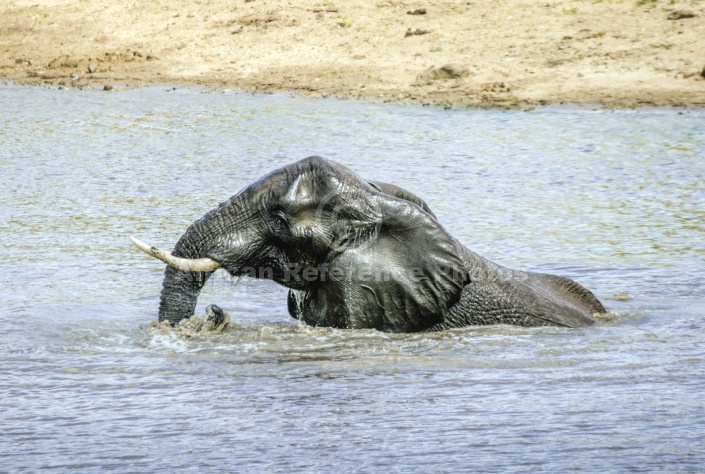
{"points": [[359, 254]]}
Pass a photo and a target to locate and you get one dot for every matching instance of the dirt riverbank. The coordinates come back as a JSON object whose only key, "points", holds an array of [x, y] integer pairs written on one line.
{"points": [[508, 53]]}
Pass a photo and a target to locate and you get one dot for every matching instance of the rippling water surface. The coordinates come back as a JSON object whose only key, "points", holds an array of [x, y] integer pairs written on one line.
{"points": [[614, 200]]}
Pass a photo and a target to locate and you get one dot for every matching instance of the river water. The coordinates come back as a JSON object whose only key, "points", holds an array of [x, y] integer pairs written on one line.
{"points": [[615, 200]]}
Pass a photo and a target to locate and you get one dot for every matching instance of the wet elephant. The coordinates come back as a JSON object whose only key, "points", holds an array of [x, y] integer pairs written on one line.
{"points": [[356, 253]]}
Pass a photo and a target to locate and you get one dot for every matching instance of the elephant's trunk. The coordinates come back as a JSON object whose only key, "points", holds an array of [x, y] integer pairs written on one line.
{"points": [[189, 265], [180, 292], [226, 237], [186, 274], [183, 279]]}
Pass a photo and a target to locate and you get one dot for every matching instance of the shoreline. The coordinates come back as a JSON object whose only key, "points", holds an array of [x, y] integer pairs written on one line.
{"points": [[563, 106], [510, 55]]}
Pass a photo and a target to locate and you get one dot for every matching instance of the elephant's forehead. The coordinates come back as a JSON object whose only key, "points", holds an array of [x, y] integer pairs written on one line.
{"points": [[315, 188], [302, 188]]}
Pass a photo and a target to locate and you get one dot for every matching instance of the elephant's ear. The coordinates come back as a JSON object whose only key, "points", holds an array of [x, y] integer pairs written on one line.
{"points": [[401, 193], [426, 263]]}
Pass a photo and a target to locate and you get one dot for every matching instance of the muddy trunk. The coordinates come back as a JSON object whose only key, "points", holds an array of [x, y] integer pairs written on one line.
{"points": [[207, 238], [180, 289]]}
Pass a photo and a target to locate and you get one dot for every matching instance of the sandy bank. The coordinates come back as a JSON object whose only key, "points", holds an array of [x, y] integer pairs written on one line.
{"points": [[508, 53]]}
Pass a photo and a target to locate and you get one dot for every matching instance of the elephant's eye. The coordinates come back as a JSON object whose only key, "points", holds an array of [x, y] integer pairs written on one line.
{"points": [[278, 223]]}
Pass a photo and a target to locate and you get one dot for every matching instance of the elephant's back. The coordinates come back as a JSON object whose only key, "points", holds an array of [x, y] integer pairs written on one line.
{"points": [[573, 290]]}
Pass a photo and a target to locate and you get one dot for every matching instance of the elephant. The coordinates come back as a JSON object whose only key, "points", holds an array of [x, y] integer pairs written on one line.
{"points": [[357, 254]]}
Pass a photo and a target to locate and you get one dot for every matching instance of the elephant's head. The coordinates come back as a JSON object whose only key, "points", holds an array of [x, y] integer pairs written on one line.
{"points": [[357, 253]]}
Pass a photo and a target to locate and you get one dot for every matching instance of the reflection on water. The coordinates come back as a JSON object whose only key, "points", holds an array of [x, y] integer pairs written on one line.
{"points": [[612, 199]]}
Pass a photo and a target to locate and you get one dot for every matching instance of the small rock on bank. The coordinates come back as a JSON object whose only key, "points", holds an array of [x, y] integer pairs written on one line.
{"points": [[681, 14], [445, 72]]}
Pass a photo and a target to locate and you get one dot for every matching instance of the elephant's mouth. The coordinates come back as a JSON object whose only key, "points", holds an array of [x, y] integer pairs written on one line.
{"points": [[184, 264]]}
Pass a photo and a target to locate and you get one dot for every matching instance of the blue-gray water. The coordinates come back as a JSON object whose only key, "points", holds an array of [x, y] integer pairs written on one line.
{"points": [[615, 200]]}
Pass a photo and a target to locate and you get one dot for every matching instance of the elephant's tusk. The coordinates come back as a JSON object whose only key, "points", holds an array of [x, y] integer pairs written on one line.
{"points": [[185, 264]]}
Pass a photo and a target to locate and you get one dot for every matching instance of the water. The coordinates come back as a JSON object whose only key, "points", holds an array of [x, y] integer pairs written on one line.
{"points": [[613, 199]]}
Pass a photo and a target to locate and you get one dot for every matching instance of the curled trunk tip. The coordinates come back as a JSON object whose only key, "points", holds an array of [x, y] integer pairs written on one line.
{"points": [[184, 264]]}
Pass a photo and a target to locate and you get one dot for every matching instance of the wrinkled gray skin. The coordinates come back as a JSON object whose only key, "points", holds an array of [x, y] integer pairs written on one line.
{"points": [[371, 255]]}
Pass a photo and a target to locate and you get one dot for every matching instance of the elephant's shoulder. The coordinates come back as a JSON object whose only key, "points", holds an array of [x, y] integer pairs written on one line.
{"points": [[401, 193]]}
